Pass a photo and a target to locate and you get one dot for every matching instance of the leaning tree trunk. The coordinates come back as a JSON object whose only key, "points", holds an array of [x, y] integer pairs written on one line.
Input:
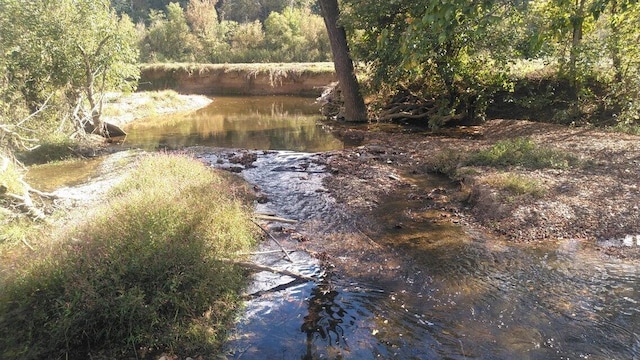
{"points": [[616, 57], [577, 23], [354, 107]]}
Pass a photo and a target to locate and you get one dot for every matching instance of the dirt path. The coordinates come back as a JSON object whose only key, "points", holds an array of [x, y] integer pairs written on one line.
{"points": [[597, 201]]}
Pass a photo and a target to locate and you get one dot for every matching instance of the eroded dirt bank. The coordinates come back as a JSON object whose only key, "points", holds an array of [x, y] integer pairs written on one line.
{"points": [[597, 201], [241, 79]]}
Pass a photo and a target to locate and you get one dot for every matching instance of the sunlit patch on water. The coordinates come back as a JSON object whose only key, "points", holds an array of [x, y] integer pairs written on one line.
{"points": [[258, 122], [50, 177]]}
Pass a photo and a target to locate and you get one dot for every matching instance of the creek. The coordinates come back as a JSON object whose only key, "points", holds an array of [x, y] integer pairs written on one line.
{"points": [[427, 290]]}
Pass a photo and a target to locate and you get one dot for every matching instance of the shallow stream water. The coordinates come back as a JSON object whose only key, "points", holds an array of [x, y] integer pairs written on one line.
{"points": [[452, 294]]}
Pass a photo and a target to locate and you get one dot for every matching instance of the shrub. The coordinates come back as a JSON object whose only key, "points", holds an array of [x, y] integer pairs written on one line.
{"points": [[141, 276]]}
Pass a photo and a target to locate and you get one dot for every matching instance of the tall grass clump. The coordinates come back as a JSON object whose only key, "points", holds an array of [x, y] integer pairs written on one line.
{"points": [[516, 184], [139, 277], [521, 152]]}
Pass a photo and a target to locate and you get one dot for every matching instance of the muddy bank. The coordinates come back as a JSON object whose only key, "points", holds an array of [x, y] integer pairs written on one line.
{"points": [[238, 79], [596, 202]]}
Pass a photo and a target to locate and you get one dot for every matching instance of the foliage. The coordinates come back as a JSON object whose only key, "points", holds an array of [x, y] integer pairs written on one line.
{"points": [[447, 161], [622, 43], [67, 51], [452, 51], [169, 36], [296, 35], [10, 177], [139, 10], [245, 11], [521, 152], [247, 42], [140, 276], [284, 34]]}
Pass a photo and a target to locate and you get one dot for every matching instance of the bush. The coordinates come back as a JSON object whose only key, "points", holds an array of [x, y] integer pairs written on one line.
{"points": [[140, 277]]}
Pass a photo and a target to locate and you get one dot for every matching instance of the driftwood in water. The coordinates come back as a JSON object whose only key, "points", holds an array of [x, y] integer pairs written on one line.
{"points": [[258, 267], [262, 252], [286, 254], [331, 101], [23, 203], [275, 219], [278, 288]]}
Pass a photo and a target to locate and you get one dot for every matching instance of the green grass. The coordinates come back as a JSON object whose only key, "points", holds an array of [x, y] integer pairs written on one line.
{"points": [[10, 178], [521, 152], [516, 184], [633, 129], [140, 277], [54, 147]]}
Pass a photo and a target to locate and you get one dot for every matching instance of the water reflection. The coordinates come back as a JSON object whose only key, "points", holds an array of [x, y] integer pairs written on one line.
{"points": [[260, 122], [49, 177], [325, 318]]}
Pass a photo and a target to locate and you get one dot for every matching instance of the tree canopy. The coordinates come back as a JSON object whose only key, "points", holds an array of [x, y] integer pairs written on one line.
{"points": [[460, 53], [74, 48]]}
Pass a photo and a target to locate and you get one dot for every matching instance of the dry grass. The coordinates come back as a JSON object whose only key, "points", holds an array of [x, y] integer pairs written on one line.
{"points": [[139, 276]]}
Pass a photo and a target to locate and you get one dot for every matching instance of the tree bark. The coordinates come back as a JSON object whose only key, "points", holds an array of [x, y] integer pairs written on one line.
{"points": [[577, 23], [615, 42], [354, 107]]}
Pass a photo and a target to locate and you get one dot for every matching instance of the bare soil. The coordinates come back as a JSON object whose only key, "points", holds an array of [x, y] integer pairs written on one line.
{"points": [[597, 201]]}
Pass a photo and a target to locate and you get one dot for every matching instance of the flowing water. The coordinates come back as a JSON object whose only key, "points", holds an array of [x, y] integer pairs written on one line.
{"points": [[430, 290]]}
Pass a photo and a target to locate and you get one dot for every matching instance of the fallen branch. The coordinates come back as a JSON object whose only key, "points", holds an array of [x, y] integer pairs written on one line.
{"points": [[258, 267], [43, 194], [28, 245], [275, 218], [275, 240], [375, 244], [26, 204], [5, 164], [278, 288], [263, 252]]}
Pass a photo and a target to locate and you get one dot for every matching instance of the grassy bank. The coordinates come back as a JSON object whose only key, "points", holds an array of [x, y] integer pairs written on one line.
{"points": [[495, 165], [140, 275]]}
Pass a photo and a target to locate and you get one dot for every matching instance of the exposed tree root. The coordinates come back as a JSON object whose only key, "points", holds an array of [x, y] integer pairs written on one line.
{"points": [[21, 204], [408, 106]]}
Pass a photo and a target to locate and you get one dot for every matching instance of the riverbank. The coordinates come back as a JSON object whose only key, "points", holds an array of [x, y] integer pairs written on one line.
{"points": [[120, 109], [296, 79], [594, 200]]}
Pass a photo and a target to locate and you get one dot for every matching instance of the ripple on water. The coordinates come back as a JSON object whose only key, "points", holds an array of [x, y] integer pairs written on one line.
{"points": [[458, 296]]}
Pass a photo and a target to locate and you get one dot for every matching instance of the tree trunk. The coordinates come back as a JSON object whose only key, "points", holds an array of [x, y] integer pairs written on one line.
{"points": [[354, 107], [615, 43], [576, 41]]}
